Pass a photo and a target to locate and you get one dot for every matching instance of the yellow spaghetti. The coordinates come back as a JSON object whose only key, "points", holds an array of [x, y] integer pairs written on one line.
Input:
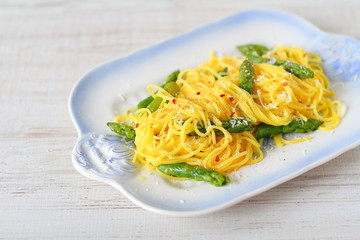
{"points": [[209, 97]]}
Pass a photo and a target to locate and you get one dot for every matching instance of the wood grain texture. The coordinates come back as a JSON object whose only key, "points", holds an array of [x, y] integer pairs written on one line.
{"points": [[46, 46]]}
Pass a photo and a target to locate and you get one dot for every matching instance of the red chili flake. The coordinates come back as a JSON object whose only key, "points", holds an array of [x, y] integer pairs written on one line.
{"points": [[285, 84], [137, 125], [217, 159], [174, 100], [198, 93], [231, 98], [222, 95], [232, 114]]}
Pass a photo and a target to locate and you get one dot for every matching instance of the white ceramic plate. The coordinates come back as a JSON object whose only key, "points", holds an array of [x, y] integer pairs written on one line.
{"points": [[115, 86]]}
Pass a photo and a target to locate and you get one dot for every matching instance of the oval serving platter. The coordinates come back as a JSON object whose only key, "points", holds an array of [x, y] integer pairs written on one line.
{"points": [[113, 87]]}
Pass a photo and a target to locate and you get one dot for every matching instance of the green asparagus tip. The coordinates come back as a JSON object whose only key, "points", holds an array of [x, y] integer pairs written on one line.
{"points": [[246, 75], [122, 129]]}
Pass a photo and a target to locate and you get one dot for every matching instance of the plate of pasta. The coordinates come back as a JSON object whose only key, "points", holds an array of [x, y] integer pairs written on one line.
{"points": [[204, 120]]}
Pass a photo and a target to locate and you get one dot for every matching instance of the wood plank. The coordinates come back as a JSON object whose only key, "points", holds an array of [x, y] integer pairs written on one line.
{"points": [[46, 46]]}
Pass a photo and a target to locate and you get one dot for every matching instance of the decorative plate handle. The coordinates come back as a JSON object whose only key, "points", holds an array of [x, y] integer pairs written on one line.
{"points": [[341, 56], [104, 156]]}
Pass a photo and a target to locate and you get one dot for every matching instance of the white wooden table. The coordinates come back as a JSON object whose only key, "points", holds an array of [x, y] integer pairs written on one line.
{"points": [[46, 46]]}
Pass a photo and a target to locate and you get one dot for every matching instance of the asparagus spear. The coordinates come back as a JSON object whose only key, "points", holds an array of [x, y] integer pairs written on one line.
{"points": [[172, 88], [246, 75], [122, 129], [155, 104], [291, 67], [144, 103], [250, 49], [196, 173], [232, 125], [297, 126], [237, 125], [171, 78], [222, 72], [257, 59], [296, 69]]}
